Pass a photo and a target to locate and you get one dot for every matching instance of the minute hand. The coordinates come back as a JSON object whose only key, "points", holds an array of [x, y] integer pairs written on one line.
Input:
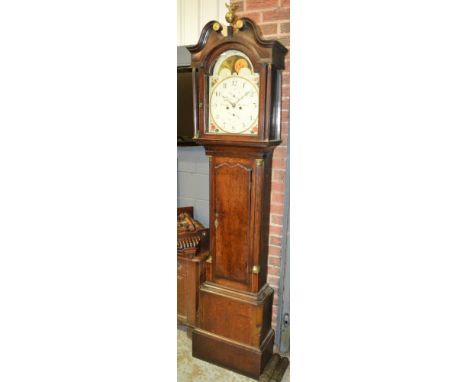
{"points": [[241, 98]]}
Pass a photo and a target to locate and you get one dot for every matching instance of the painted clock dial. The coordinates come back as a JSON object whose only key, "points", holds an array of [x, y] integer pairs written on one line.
{"points": [[233, 95]]}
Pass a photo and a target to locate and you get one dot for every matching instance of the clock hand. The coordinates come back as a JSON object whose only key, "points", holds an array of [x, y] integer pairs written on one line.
{"points": [[241, 98], [227, 99]]}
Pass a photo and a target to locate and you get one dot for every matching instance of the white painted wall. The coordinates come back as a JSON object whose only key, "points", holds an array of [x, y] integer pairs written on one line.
{"points": [[192, 163], [192, 15], [193, 181]]}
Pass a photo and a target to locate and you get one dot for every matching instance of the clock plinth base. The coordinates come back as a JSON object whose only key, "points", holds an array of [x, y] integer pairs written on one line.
{"points": [[234, 328], [246, 360]]}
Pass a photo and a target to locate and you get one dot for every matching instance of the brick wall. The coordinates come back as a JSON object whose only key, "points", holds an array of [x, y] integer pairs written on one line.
{"points": [[272, 16]]}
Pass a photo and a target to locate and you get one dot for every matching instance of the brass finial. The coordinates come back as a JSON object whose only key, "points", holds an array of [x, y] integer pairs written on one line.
{"points": [[235, 23], [230, 17]]}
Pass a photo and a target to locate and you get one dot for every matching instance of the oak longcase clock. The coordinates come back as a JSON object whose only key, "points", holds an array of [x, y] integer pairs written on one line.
{"points": [[237, 93]]}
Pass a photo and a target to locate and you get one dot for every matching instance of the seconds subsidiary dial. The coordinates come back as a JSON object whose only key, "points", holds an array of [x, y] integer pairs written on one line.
{"points": [[234, 105]]}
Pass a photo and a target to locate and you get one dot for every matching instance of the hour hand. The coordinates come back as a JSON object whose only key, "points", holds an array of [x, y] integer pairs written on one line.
{"points": [[232, 103]]}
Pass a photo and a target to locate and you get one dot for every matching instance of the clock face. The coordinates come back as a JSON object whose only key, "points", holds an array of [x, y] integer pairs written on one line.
{"points": [[233, 96]]}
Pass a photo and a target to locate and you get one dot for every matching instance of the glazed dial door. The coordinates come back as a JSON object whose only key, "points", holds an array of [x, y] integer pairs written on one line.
{"points": [[233, 95]]}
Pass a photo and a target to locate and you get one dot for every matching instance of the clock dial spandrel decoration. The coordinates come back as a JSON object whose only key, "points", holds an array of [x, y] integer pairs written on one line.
{"points": [[233, 95]]}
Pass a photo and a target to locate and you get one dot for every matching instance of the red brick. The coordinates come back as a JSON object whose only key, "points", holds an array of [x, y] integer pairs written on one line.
{"points": [[278, 175], [277, 186], [277, 208], [269, 29], [285, 91], [273, 260], [283, 148], [284, 27], [279, 163], [285, 78], [274, 271], [280, 152], [277, 198], [276, 14], [274, 251], [240, 6], [277, 246], [276, 230], [273, 281], [275, 240], [261, 4], [255, 16], [276, 219], [285, 3]]}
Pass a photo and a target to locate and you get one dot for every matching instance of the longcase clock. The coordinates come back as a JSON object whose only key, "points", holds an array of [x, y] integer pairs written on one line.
{"points": [[237, 98]]}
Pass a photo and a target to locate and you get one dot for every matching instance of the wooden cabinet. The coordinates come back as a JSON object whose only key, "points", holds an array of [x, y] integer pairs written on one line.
{"points": [[192, 254], [190, 273]]}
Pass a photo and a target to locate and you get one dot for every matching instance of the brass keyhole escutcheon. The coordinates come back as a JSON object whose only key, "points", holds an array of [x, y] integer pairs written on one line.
{"points": [[216, 223]]}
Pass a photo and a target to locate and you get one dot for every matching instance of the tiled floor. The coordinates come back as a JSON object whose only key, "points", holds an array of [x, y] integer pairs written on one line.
{"points": [[190, 369]]}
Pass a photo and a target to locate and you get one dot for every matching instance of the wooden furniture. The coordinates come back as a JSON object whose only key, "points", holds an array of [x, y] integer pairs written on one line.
{"points": [[237, 97], [192, 253], [184, 107]]}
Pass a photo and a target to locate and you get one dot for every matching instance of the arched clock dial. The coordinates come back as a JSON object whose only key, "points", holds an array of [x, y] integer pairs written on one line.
{"points": [[233, 96]]}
